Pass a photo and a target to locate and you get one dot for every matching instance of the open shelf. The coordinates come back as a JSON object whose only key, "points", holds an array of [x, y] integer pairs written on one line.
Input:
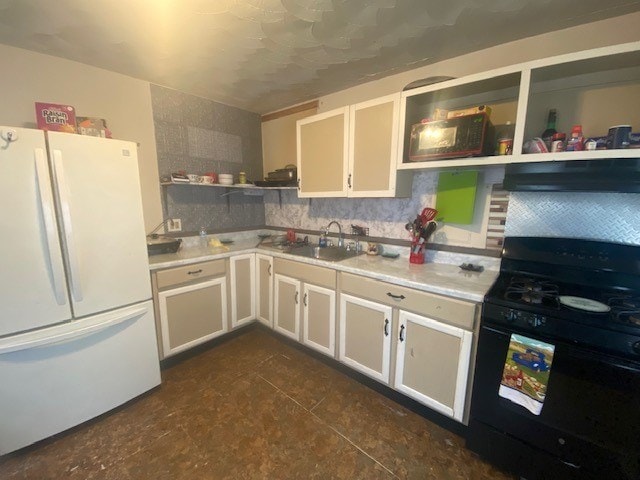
{"points": [[218, 185]]}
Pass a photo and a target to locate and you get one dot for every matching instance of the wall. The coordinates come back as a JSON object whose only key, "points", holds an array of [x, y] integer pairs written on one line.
{"points": [[125, 103], [612, 31], [198, 136]]}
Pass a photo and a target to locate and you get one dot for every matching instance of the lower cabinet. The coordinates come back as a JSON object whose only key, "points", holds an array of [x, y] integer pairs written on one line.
{"points": [[319, 318], [242, 272], [264, 289], [305, 304], [191, 304], [417, 342], [365, 336], [432, 363]]}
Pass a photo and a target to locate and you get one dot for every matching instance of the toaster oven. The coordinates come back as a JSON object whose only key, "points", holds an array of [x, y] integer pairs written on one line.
{"points": [[464, 136]]}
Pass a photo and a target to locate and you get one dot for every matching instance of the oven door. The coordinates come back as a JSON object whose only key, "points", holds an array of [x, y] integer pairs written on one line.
{"points": [[590, 419]]}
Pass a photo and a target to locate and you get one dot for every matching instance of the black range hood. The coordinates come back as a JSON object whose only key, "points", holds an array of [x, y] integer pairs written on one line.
{"points": [[607, 175]]}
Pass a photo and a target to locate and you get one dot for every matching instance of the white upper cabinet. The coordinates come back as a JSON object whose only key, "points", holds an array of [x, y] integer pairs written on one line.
{"points": [[351, 152], [596, 89], [323, 149]]}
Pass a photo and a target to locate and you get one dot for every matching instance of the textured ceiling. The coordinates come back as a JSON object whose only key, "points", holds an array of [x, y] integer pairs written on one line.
{"points": [[263, 55]]}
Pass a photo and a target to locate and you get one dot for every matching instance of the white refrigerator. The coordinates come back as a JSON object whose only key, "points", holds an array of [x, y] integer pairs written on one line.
{"points": [[77, 331]]}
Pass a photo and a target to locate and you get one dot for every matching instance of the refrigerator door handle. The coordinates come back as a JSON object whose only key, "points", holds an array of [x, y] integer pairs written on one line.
{"points": [[51, 230], [63, 195], [66, 332]]}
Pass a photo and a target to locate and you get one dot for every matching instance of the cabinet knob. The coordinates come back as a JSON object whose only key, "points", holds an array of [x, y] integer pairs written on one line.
{"points": [[386, 327]]}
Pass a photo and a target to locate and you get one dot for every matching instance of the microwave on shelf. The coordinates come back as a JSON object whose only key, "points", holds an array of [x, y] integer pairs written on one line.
{"points": [[464, 136]]}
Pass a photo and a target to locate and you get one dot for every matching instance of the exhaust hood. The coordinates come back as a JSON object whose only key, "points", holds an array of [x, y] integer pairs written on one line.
{"points": [[608, 175]]}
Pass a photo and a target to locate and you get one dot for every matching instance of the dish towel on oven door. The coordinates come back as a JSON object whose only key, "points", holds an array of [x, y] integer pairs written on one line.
{"points": [[526, 372]]}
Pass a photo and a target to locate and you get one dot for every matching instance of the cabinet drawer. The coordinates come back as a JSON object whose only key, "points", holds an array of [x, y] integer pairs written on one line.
{"points": [[323, 277], [450, 310], [189, 273]]}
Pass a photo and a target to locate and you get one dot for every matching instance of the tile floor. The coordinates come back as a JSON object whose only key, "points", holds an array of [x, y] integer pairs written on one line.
{"points": [[254, 407]]}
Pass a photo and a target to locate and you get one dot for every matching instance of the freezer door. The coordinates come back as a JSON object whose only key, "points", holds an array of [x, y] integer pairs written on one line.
{"points": [[100, 208], [55, 378], [33, 290]]}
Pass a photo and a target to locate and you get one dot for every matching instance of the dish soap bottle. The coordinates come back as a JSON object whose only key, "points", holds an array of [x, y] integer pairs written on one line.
{"points": [[322, 241], [203, 236]]}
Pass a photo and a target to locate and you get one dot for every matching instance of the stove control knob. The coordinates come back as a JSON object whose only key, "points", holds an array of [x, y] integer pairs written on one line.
{"points": [[636, 347], [536, 320], [511, 316]]}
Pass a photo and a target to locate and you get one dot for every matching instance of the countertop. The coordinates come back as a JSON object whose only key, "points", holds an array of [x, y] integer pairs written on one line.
{"points": [[441, 278]]}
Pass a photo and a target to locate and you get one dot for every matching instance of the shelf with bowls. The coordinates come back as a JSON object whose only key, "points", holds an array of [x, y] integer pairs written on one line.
{"points": [[219, 185]]}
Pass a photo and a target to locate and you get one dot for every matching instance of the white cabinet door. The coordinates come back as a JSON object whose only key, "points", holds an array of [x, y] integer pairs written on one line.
{"points": [[98, 187], [264, 289], [319, 317], [373, 150], [286, 311], [323, 148], [243, 293], [432, 363], [192, 314], [365, 336]]}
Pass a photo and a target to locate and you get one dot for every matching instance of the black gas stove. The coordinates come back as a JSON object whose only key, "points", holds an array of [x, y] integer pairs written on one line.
{"points": [[583, 292], [583, 298]]}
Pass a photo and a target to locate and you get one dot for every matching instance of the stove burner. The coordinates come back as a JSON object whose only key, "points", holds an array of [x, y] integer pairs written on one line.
{"points": [[532, 291], [626, 308]]}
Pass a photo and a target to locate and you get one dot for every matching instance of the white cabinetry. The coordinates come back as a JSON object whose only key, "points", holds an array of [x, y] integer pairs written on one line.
{"points": [[365, 336], [319, 318], [192, 305], [243, 294], [594, 88], [428, 337], [307, 291], [264, 289], [351, 152], [432, 363], [287, 306]]}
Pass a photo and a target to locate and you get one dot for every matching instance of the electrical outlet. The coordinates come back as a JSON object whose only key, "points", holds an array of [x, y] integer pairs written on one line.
{"points": [[174, 225]]}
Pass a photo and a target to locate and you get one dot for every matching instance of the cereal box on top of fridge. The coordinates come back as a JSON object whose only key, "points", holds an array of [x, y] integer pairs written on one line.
{"points": [[55, 117]]}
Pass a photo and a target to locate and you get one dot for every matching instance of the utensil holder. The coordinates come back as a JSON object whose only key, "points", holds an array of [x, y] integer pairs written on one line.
{"points": [[417, 258]]}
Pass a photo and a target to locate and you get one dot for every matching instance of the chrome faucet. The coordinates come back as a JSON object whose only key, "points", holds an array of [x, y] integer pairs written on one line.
{"points": [[340, 239]]}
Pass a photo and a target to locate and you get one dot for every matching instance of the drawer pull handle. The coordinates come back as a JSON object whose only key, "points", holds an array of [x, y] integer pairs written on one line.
{"points": [[349, 181], [397, 297], [195, 272], [386, 327], [304, 299], [297, 295], [401, 337], [269, 270]]}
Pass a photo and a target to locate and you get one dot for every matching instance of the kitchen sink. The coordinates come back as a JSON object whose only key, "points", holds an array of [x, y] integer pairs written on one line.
{"points": [[328, 254]]}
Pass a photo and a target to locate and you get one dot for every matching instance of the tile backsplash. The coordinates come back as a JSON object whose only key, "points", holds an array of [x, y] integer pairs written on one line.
{"points": [[199, 135], [611, 217], [385, 217]]}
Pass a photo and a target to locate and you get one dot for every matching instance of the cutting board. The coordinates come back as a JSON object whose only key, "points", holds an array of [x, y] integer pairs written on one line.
{"points": [[456, 196]]}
